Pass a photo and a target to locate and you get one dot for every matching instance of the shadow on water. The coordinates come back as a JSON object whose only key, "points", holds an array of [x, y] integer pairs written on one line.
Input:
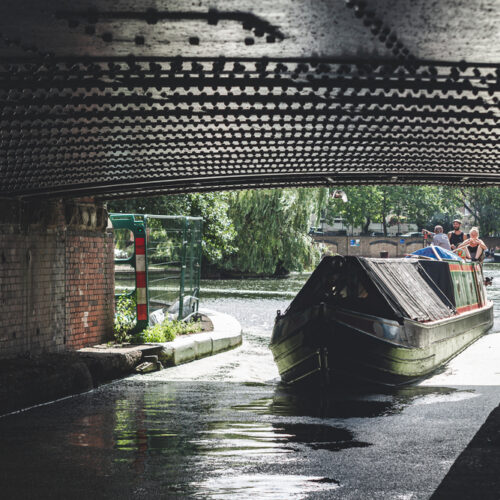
{"points": [[319, 437], [343, 404], [325, 405], [180, 439], [475, 472]]}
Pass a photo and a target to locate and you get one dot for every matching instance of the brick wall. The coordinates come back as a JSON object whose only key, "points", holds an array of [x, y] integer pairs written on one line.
{"points": [[56, 277], [89, 288], [371, 246]]}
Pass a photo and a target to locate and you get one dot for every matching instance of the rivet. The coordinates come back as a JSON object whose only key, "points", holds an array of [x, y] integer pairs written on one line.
{"points": [[151, 16]]}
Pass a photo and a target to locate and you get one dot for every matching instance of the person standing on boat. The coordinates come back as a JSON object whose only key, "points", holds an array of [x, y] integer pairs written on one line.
{"points": [[439, 239], [456, 237], [474, 245]]}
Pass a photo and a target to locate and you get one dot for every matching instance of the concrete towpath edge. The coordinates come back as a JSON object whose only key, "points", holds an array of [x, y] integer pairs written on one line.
{"points": [[26, 383], [108, 362]]}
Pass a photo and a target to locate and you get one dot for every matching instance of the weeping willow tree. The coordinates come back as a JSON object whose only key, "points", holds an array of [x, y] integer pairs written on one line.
{"points": [[272, 229]]}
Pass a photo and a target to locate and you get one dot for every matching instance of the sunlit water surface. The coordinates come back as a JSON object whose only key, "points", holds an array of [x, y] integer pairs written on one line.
{"points": [[223, 427]]}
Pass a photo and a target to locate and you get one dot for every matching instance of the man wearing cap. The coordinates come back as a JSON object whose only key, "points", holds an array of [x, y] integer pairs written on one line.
{"points": [[456, 236]]}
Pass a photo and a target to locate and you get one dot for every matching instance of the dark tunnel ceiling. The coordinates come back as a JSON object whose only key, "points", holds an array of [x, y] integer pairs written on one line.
{"points": [[125, 98]]}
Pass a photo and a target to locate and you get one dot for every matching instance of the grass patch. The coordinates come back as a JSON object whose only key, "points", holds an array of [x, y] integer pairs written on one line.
{"points": [[168, 330]]}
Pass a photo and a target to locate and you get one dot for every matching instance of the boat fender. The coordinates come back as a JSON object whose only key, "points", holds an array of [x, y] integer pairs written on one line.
{"points": [[386, 331]]}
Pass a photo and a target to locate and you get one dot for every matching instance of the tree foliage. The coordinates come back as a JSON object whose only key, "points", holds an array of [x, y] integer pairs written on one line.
{"points": [[218, 230], [424, 206], [266, 231], [483, 205], [361, 208], [272, 229]]}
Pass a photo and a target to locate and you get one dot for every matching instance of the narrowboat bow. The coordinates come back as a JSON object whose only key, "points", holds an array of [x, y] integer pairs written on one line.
{"points": [[384, 321]]}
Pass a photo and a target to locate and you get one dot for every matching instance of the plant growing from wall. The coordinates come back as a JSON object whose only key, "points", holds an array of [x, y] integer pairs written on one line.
{"points": [[125, 318]]}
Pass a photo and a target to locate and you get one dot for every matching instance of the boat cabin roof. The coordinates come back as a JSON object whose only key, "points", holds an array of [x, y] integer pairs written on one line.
{"points": [[389, 288]]}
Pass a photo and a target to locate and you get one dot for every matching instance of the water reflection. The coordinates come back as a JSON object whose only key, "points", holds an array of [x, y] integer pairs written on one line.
{"points": [[348, 403], [264, 486], [192, 439], [153, 437], [241, 438]]}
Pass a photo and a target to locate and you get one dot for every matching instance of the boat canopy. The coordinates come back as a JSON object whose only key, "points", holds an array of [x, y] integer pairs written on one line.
{"points": [[409, 288], [390, 288], [433, 252]]}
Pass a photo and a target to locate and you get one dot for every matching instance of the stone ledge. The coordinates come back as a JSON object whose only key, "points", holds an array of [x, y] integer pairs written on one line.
{"points": [[225, 335], [28, 382]]}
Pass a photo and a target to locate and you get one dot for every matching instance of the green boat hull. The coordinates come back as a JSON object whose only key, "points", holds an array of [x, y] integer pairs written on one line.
{"points": [[316, 346]]}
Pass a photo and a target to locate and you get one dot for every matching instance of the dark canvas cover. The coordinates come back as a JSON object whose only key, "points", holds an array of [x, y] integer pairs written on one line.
{"points": [[406, 284], [390, 288], [440, 274]]}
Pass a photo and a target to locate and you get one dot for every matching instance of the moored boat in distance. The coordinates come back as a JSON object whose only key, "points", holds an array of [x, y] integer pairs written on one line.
{"points": [[382, 321]]}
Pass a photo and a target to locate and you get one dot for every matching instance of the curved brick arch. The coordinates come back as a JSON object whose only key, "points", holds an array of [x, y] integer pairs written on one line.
{"points": [[385, 242]]}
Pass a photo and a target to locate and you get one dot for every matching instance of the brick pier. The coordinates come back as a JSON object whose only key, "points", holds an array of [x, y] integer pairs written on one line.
{"points": [[56, 276]]}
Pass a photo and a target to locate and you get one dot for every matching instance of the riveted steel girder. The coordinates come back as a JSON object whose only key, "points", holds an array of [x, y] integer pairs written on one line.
{"points": [[122, 98]]}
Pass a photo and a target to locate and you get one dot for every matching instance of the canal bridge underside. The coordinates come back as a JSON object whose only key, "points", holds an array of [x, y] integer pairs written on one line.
{"points": [[128, 98]]}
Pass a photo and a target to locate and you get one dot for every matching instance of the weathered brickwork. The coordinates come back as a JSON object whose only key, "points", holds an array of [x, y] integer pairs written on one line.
{"points": [[56, 277], [89, 288]]}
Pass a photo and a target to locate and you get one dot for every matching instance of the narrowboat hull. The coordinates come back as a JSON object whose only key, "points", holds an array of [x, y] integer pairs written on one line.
{"points": [[383, 321], [328, 349]]}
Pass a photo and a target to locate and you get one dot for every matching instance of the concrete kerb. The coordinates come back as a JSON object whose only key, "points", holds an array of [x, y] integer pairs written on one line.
{"points": [[108, 362], [225, 335]]}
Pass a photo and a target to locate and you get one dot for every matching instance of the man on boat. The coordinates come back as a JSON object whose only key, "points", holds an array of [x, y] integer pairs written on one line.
{"points": [[456, 237], [439, 239]]}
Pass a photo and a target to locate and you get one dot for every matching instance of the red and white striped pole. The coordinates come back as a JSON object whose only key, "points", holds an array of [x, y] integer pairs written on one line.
{"points": [[140, 279]]}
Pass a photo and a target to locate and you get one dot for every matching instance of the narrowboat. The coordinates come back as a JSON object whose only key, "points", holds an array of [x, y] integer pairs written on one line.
{"points": [[380, 321]]}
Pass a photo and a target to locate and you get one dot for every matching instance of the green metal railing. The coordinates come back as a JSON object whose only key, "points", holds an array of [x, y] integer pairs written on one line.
{"points": [[171, 266]]}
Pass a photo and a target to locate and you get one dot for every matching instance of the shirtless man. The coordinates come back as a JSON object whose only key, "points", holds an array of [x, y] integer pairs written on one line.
{"points": [[456, 236]]}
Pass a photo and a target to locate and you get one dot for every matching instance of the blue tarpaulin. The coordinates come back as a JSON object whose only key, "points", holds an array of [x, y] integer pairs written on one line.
{"points": [[431, 251]]}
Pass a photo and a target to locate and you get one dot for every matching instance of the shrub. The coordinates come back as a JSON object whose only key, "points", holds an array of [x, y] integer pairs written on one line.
{"points": [[168, 330], [125, 318]]}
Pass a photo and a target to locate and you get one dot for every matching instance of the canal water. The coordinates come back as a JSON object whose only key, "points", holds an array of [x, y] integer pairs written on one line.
{"points": [[223, 427]]}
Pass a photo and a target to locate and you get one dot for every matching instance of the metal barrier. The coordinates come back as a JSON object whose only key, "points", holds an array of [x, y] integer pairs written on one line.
{"points": [[166, 263]]}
